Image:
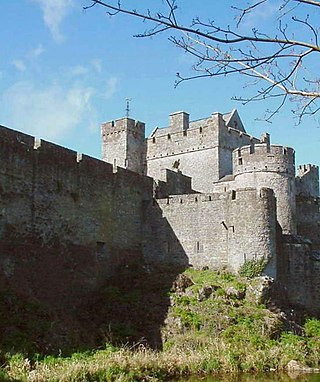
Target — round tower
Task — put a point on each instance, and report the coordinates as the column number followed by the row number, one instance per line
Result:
column 264, row 165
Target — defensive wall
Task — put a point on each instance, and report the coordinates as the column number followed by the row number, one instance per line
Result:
column 66, row 216
column 172, row 183
column 300, row 275
column 63, row 213
column 219, row 230
column 308, row 219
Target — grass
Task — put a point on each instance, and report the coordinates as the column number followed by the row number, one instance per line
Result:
column 226, row 332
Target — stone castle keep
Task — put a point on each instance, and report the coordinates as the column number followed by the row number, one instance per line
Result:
column 200, row 193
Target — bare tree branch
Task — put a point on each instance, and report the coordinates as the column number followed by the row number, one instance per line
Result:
column 279, row 60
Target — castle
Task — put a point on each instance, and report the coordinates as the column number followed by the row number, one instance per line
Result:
column 195, row 193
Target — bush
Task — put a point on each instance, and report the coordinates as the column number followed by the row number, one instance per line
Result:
column 312, row 327
column 252, row 268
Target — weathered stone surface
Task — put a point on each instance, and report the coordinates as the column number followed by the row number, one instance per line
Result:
column 181, row 283
column 216, row 197
column 235, row 293
column 260, row 289
column 204, row 293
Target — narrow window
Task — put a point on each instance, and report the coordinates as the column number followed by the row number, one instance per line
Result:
column 200, row 129
column 169, row 136
column 154, row 140
column 233, row 194
column 240, row 161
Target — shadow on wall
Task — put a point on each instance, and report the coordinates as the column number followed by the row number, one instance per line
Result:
column 132, row 305
column 58, row 299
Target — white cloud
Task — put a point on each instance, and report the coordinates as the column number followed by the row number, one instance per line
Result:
column 36, row 51
column 47, row 112
column 97, row 64
column 111, row 87
column 19, row 64
column 29, row 58
column 54, row 11
column 78, row 70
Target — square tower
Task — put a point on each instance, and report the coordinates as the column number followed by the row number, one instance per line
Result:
column 124, row 145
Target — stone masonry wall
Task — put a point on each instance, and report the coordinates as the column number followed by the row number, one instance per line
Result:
column 230, row 139
column 194, row 151
column 307, row 180
column 203, row 149
column 173, row 183
column 262, row 165
column 53, row 200
column 301, row 276
column 123, row 144
column 221, row 230
column 308, row 219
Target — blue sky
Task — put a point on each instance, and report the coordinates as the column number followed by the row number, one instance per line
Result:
column 64, row 71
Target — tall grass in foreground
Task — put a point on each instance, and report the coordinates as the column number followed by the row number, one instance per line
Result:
column 227, row 332
column 142, row 364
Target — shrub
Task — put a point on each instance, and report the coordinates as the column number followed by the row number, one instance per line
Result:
column 312, row 327
column 252, row 268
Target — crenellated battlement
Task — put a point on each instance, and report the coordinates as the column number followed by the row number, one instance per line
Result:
column 215, row 197
column 121, row 125
column 54, row 163
column 264, row 150
column 263, row 157
column 9, row 136
column 240, row 194
column 307, row 180
column 304, row 168
column 180, row 142
column 264, row 165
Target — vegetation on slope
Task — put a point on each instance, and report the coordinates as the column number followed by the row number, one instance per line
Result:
column 215, row 322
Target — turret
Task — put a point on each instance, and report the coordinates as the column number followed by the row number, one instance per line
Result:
column 307, row 180
column 124, row 145
column 265, row 165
